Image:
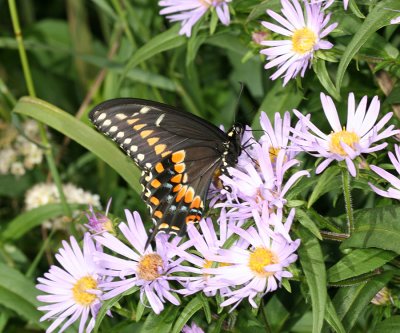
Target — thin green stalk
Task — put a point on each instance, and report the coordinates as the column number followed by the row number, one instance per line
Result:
column 6, row 257
column 35, row 262
column 32, row 93
column 347, row 200
column 265, row 318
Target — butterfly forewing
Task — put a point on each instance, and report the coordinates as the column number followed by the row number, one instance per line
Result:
column 177, row 152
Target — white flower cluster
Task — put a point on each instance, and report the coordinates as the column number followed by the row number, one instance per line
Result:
column 18, row 154
column 43, row 194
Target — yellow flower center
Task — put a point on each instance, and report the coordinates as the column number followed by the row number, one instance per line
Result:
column 79, row 293
column 260, row 258
column 349, row 138
column 148, row 268
column 209, row 263
column 273, row 153
column 303, row 40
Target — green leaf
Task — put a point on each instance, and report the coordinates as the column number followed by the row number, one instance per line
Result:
column 376, row 227
column 33, row 218
column 390, row 325
column 86, row 136
column 312, row 261
column 358, row 262
column 165, row 41
column 19, row 294
column 379, row 17
column 161, row 322
column 308, row 223
column 332, row 318
column 319, row 67
column 108, row 304
column 188, row 311
column 326, row 181
column 351, row 302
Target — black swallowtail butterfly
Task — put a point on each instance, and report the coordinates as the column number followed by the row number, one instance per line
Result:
column 179, row 155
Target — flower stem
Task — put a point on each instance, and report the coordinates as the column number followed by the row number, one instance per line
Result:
column 265, row 318
column 32, row 93
column 347, row 200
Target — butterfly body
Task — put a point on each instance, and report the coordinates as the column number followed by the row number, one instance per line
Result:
column 179, row 155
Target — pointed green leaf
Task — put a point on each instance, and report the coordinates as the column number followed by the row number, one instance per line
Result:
column 358, row 262
column 326, row 181
column 332, row 318
column 390, row 325
column 379, row 17
column 312, row 261
column 33, row 218
column 376, row 227
column 188, row 311
column 351, row 302
column 19, row 294
column 86, row 136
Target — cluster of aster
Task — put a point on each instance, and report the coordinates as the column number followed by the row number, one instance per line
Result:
column 298, row 32
column 17, row 152
column 246, row 253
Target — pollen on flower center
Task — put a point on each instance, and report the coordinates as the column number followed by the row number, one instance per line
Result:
column 273, row 153
column 349, row 138
column 260, row 258
column 149, row 267
column 303, row 40
column 80, row 295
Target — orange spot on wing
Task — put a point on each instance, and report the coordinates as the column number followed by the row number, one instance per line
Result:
column 155, row 183
column 158, row 214
column 163, row 225
column 159, row 167
column 196, row 203
column 166, row 153
column 145, row 134
column 180, row 167
column 159, row 148
column 181, row 193
column 139, row 127
column 189, row 195
column 132, row 121
column 154, row 201
column 178, row 156
column 177, row 178
column 177, row 188
column 152, row 141
column 192, row 218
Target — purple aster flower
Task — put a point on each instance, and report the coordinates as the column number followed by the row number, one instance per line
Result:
column 345, row 143
column 192, row 329
column 277, row 136
column 396, row 20
column 147, row 268
column 391, row 192
column 259, row 185
column 305, row 31
column 191, row 11
column 260, row 269
column 99, row 222
column 206, row 244
column 73, row 291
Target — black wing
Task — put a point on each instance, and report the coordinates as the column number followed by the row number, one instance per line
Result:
column 177, row 152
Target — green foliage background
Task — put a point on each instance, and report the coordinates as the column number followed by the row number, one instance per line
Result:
column 83, row 52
